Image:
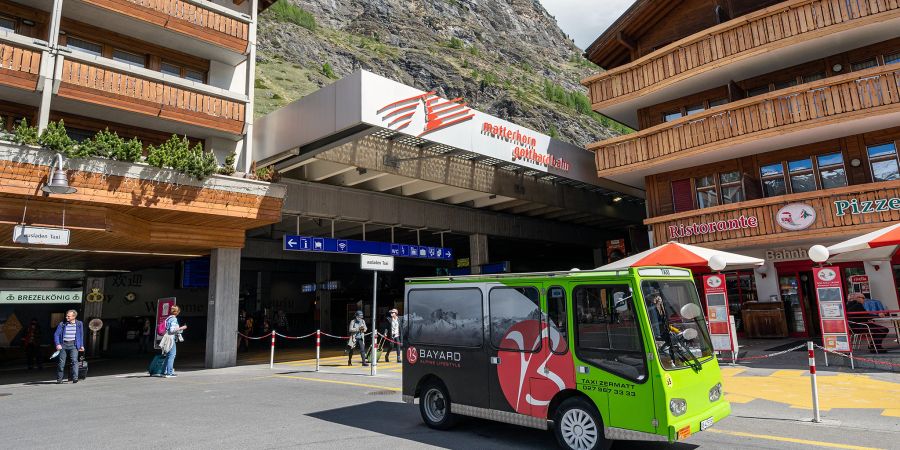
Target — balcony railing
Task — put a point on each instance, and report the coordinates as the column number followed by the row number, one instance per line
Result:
column 20, row 64
column 839, row 212
column 784, row 24
column 871, row 91
column 108, row 83
column 207, row 22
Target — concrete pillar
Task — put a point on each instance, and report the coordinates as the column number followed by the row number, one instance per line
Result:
column 478, row 251
column 323, row 297
column 48, row 66
column 598, row 257
column 881, row 283
column 222, row 314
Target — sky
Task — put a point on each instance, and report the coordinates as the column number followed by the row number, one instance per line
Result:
column 585, row 20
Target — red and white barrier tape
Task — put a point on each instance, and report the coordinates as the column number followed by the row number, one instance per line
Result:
column 389, row 339
column 769, row 355
column 857, row 358
column 295, row 337
column 251, row 337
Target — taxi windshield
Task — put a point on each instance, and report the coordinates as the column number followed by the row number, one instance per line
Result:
column 677, row 323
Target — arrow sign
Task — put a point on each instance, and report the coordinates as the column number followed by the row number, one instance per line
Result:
column 291, row 243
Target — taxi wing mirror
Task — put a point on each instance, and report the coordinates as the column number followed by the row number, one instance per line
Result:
column 691, row 311
column 689, row 334
column 620, row 302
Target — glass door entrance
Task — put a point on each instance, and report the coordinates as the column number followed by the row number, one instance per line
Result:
column 796, row 289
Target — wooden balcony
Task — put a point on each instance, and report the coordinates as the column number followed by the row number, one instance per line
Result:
column 764, row 121
column 230, row 30
column 835, row 217
column 786, row 24
column 103, row 82
column 20, row 65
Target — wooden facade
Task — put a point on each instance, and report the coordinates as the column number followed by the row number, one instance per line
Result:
column 661, row 198
column 854, row 95
column 140, row 214
column 783, row 24
column 768, row 232
column 188, row 18
column 19, row 66
column 106, row 86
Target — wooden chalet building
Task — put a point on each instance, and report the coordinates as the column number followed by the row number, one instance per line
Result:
column 783, row 113
column 144, row 69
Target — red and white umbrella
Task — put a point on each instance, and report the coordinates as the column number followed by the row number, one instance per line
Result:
column 682, row 255
column 878, row 245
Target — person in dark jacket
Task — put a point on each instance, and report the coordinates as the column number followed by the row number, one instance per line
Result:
column 861, row 323
column 69, row 340
column 32, row 343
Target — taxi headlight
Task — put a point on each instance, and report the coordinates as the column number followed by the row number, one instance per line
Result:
column 678, row 406
column 715, row 392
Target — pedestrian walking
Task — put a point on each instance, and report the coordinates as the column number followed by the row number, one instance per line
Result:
column 357, row 339
column 170, row 340
column 248, row 331
column 145, row 337
column 31, row 341
column 392, row 331
column 69, row 340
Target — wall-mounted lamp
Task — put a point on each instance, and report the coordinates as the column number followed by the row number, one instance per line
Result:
column 837, row 68
column 28, row 23
column 855, row 162
column 617, row 199
column 59, row 182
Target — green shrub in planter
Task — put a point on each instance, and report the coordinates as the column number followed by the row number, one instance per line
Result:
column 228, row 167
column 24, row 134
column 55, row 138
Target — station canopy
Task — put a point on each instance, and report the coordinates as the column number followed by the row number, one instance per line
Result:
column 372, row 133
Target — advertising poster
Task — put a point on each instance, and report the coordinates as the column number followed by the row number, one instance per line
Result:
column 717, row 312
column 163, row 306
column 831, row 309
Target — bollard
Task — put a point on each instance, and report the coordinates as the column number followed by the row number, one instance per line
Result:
column 318, row 347
column 374, row 355
column 812, row 380
column 272, row 352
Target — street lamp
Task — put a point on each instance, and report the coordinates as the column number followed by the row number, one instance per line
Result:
column 59, row 182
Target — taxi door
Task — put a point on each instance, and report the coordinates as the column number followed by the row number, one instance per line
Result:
column 611, row 360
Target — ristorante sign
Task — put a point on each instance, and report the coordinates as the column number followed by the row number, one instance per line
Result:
column 718, row 226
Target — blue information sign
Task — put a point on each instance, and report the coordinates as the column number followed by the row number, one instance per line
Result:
column 350, row 246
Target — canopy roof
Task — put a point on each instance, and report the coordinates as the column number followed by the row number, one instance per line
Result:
column 875, row 246
column 681, row 255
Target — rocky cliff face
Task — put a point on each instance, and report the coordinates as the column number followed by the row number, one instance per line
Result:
column 505, row 57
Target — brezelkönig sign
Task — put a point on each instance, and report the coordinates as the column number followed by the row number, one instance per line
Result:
column 39, row 297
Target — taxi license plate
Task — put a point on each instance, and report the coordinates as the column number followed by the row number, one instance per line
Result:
column 706, row 424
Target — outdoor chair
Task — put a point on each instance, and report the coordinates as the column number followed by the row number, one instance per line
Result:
column 857, row 336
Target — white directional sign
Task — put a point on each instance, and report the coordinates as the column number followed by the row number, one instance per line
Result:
column 24, row 234
column 376, row 262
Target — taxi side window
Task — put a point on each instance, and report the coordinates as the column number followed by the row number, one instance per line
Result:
column 607, row 331
column 557, row 319
column 515, row 309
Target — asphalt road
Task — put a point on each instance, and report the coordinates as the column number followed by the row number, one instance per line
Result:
column 292, row 406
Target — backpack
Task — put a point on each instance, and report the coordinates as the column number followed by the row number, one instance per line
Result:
column 161, row 328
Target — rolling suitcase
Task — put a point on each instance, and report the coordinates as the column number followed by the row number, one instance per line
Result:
column 82, row 366
column 157, row 366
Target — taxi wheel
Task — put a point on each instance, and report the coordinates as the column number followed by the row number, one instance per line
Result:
column 434, row 405
column 578, row 426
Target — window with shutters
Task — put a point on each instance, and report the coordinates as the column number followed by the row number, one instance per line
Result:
column 682, row 196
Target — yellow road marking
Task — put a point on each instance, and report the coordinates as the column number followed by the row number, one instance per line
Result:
column 788, row 439
column 349, row 383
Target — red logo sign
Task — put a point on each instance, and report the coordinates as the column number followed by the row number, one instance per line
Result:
column 530, row 380
column 412, row 355
column 439, row 112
